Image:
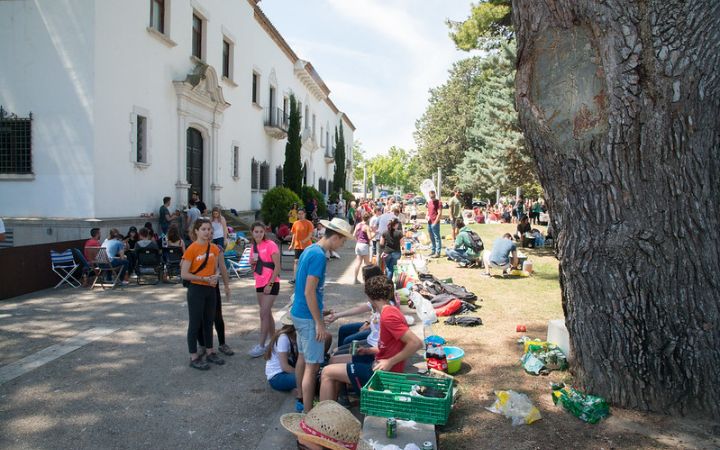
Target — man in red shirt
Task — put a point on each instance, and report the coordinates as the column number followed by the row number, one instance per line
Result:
column 434, row 215
column 397, row 343
column 94, row 241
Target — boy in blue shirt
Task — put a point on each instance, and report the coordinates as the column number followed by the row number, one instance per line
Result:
column 307, row 308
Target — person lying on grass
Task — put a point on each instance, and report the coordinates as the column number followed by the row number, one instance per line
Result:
column 397, row 343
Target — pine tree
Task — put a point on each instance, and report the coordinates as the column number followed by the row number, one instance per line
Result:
column 498, row 158
column 339, row 176
column 292, row 168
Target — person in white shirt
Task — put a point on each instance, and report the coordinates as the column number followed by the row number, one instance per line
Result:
column 374, row 224
column 280, row 357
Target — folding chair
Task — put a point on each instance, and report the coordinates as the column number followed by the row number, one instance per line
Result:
column 101, row 264
column 172, row 263
column 149, row 262
column 63, row 264
column 240, row 268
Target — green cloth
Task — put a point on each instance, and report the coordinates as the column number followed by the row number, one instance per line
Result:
column 536, row 207
column 455, row 207
column 463, row 241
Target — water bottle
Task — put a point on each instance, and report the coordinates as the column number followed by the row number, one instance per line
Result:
column 427, row 328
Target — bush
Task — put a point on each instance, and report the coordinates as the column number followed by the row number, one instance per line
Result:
column 348, row 197
column 276, row 204
column 307, row 193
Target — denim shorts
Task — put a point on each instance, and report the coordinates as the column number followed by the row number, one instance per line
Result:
column 312, row 349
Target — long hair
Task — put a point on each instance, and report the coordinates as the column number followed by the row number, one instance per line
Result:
column 173, row 234
column 288, row 330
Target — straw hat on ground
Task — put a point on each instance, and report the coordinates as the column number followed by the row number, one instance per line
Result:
column 339, row 225
column 327, row 424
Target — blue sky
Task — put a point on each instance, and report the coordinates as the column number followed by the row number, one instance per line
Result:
column 378, row 57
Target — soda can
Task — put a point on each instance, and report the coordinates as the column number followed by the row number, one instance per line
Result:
column 391, row 428
column 521, row 328
column 354, row 347
column 427, row 445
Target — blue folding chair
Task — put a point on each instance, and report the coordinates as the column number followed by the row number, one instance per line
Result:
column 63, row 264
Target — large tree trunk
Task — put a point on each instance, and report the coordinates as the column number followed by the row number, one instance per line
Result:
column 620, row 105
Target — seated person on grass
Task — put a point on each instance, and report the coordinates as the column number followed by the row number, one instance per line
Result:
column 397, row 343
column 500, row 255
column 523, row 233
column 466, row 251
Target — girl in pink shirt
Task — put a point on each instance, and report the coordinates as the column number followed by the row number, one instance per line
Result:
column 265, row 260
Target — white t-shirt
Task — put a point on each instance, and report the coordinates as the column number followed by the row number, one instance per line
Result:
column 272, row 365
column 374, row 337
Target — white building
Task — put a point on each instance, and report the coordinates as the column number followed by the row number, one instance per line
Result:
column 134, row 100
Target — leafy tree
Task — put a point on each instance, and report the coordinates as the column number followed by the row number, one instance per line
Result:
column 339, row 176
column 489, row 24
column 358, row 161
column 619, row 102
column 394, row 169
column 276, row 204
column 442, row 132
column 292, row 168
column 498, row 157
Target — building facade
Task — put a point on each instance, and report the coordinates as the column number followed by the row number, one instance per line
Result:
column 135, row 100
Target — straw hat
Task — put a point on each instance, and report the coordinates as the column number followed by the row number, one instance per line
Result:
column 327, row 424
column 338, row 225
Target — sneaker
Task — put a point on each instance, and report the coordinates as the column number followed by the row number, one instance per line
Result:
column 299, row 406
column 214, row 358
column 486, row 275
column 226, row 350
column 199, row 364
column 257, row 351
column 435, row 255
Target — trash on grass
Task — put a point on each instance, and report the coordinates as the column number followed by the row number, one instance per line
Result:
column 586, row 407
column 515, row 406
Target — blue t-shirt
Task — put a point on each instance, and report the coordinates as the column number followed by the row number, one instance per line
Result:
column 312, row 262
column 113, row 247
column 501, row 251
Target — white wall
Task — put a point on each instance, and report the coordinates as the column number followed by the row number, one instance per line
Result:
column 83, row 104
column 47, row 51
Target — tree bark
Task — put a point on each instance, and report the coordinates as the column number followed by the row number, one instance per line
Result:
column 620, row 105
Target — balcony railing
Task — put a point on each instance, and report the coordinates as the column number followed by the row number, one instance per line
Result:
column 277, row 118
column 276, row 122
column 329, row 154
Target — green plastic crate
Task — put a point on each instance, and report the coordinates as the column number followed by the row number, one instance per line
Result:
column 400, row 404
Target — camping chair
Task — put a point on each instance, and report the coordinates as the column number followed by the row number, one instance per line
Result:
column 172, row 263
column 101, row 264
column 240, row 268
column 63, row 264
column 149, row 262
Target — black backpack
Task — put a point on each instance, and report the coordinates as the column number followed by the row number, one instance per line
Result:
column 477, row 244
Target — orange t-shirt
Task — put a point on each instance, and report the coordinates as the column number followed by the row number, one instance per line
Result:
column 195, row 254
column 301, row 230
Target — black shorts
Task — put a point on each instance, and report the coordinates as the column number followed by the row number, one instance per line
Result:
column 274, row 291
column 298, row 252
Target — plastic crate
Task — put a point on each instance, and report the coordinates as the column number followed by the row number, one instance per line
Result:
column 400, row 404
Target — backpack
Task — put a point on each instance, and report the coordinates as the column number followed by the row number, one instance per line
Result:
column 476, row 242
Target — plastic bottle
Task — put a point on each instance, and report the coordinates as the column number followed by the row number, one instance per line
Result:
column 427, row 328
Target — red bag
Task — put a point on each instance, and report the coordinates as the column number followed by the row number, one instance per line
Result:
column 449, row 308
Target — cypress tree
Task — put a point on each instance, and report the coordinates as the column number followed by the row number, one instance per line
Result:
column 292, row 168
column 339, row 176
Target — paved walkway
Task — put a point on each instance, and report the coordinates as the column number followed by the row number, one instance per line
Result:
column 91, row 369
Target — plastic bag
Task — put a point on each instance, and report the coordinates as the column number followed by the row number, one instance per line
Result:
column 588, row 408
column 424, row 308
column 515, row 406
column 533, row 364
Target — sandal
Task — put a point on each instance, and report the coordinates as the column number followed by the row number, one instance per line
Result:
column 226, row 350
column 199, row 364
